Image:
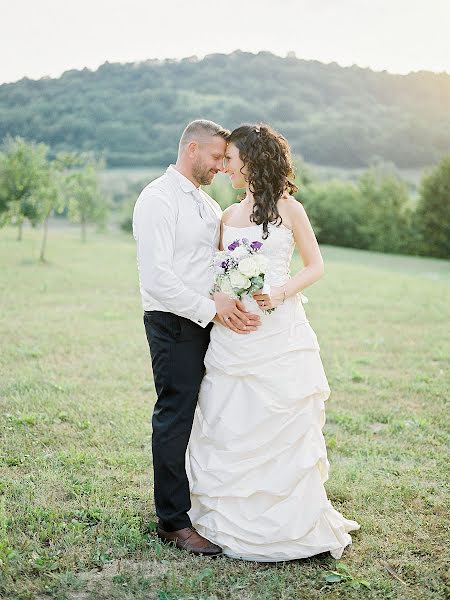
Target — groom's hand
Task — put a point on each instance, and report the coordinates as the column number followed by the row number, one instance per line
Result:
column 233, row 314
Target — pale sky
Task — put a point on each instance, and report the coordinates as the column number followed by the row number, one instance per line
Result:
column 47, row 37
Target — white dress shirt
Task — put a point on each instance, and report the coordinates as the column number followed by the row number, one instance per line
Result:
column 176, row 226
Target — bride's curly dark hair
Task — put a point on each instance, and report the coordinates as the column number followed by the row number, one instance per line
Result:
column 267, row 157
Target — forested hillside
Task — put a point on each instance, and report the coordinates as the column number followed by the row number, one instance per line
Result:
column 134, row 113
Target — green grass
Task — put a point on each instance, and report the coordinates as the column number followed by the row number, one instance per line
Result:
column 76, row 395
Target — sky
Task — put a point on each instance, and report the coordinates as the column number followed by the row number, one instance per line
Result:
column 47, row 37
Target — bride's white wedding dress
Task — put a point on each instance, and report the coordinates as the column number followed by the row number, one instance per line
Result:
column 257, row 459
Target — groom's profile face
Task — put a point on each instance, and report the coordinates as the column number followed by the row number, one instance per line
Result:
column 208, row 158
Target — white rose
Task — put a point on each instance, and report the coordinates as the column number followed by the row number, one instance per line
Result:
column 249, row 266
column 226, row 287
column 238, row 280
column 262, row 263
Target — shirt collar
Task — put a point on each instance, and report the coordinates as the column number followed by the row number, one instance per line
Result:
column 185, row 183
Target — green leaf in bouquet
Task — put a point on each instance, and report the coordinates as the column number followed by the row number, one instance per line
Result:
column 257, row 281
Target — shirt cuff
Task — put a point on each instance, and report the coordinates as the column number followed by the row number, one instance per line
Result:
column 205, row 313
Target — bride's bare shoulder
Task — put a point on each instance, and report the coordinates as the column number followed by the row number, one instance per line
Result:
column 289, row 209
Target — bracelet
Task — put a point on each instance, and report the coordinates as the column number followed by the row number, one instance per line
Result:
column 284, row 295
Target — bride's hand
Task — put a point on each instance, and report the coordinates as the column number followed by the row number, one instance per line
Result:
column 272, row 300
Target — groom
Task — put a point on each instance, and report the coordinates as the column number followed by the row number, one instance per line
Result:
column 177, row 228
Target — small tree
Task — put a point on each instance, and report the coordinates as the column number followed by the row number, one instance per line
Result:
column 336, row 212
column 51, row 194
column 432, row 217
column 23, row 172
column 384, row 198
column 127, row 205
column 85, row 203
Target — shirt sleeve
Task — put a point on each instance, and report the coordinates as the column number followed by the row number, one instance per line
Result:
column 154, row 226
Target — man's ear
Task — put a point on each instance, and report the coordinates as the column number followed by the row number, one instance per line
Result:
column 192, row 148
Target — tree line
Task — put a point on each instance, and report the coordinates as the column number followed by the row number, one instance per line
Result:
column 376, row 212
column 134, row 113
column 33, row 187
column 373, row 213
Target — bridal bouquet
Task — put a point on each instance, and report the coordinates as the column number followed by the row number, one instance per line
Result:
column 240, row 269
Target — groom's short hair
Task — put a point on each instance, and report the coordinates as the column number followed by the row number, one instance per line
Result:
column 201, row 128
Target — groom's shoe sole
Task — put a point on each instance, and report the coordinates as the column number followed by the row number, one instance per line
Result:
column 190, row 540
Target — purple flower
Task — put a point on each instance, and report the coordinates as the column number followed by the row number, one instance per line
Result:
column 224, row 264
column 234, row 245
column 255, row 245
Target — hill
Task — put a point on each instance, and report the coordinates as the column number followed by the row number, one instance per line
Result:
column 332, row 115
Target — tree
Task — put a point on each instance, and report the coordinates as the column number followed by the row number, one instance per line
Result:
column 85, row 203
column 51, row 194
column 127, row 204
column 23, row 172
column 384, row 198
column 336, row 212
column 432, row 216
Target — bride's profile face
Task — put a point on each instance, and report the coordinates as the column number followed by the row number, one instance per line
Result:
column 234, row 167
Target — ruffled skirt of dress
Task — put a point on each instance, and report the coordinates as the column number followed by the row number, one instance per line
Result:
column 257, row 460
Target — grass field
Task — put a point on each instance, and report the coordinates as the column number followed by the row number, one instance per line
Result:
column 76, row 395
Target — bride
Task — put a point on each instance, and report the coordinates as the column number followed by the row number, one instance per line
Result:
column 257, row 460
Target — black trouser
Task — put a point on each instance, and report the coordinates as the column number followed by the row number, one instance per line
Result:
column 177, row 348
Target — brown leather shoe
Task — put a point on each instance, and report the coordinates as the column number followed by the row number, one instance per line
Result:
column 189, row 539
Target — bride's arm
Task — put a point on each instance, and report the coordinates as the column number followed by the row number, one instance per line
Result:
column 308, row 248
